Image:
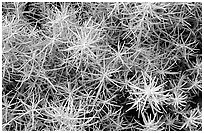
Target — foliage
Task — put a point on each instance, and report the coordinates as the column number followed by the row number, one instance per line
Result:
column 90, row 66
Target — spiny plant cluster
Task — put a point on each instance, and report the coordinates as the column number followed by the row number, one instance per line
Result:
column 114, row 66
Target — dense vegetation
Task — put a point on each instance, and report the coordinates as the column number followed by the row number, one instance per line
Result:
column 101, row 66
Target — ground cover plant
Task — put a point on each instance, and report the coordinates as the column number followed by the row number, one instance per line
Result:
column 101, row 66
